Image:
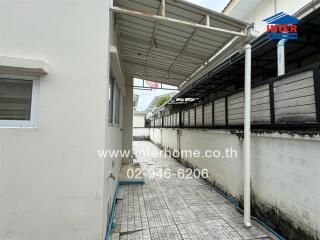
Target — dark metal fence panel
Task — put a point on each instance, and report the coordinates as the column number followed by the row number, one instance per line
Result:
column 191, row 117
column 294, row 99
column 271, row 100
column 186, row 118
column 236, row 108
column 226, row 110
column 207, row 114
column 173, row 122
column 212, row 110
column 157, row 122
column 181, row 118
column 260, row 105
column 219, row 112
column 199, row 115
column 316, row 76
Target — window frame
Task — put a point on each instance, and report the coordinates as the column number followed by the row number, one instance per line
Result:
column 116, row 107
column 32, row 122
column 111, row 100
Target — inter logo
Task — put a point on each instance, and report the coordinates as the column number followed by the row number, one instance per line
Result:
column 282, row 26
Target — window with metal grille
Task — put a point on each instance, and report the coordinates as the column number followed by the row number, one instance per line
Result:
column 18, row 102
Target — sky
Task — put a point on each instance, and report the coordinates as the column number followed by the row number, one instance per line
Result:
column 216, row 5
column 146, row 96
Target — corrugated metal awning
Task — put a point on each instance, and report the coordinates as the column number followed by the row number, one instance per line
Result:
column 167, row 41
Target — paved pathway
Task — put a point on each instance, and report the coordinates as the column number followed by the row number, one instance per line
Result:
column 176, row 208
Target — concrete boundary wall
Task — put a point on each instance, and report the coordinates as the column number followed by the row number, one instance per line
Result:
column 285, row 173
column 140, row 133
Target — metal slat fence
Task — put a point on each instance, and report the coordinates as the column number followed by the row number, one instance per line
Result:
column 291, row 100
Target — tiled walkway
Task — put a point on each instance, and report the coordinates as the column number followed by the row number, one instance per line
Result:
column 176, row 208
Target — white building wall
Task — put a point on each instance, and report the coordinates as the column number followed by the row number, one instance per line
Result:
column 285, row 170
column 53, row 185
column 138, row 120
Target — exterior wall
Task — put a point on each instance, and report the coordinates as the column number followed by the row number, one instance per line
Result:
column 286, row 176
column 169, row 138
column 285, row 173
column 138, row 120
column 155, row 135
column 225, row 172
column 53, row 185
column 113, row 139
column 143, row 133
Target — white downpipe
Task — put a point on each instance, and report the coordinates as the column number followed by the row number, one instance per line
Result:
column 281, row 57
column 247, row 133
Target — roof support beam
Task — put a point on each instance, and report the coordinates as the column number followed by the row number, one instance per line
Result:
column 185, row 47
column 155, row 69
column 173, row 20
column 216, row 55
column 141, row 42
column 149, row 78
column 250, row 34
column 151, row 46
column 162, row 10
column 159, row 59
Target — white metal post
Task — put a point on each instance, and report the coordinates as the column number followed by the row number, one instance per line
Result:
column 281, row 57
column 208, row 20
column 247, row 133
column 163, row 8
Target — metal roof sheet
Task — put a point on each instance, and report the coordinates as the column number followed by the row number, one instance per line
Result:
column 170, row 48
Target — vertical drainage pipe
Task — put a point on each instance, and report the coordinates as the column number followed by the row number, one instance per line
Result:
column 247, row 132
column 281, row 57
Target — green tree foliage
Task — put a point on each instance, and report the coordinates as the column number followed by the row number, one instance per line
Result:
column 162, row 100
column 147, row 121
